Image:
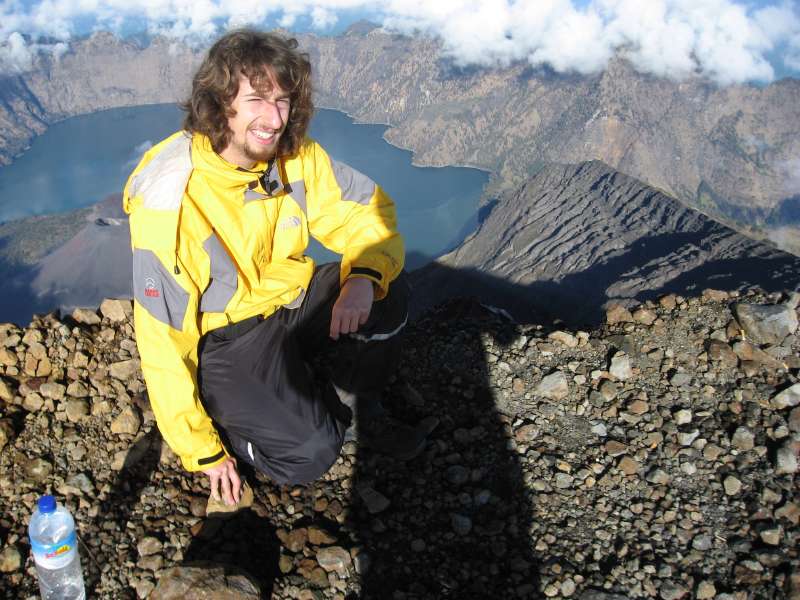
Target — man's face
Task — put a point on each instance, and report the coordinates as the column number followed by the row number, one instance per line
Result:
column 260, row 119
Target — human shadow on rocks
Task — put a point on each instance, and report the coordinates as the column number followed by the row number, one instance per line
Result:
column 455, row 520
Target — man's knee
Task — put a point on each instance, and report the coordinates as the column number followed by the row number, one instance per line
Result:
column 390, row 314
column 306, row 461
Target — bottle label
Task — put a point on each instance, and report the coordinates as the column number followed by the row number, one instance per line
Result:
column 54, row 556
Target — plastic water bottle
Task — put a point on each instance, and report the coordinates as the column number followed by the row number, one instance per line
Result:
column 55, row 551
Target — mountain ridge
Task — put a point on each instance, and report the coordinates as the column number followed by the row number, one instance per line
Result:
column 732, row 152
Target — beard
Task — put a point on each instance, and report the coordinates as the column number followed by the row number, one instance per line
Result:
column 260, row 153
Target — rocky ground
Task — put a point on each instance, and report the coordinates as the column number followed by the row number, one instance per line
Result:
column 655, row 457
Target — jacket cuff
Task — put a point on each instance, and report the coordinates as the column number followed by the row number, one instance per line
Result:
column 204, row 460
column 374, row 276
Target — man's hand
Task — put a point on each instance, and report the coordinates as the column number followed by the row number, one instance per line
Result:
column 225, row 476
column 352, row 306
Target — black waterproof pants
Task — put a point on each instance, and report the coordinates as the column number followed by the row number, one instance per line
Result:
column 257, row 384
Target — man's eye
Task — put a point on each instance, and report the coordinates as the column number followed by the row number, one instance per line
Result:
column 283, row 102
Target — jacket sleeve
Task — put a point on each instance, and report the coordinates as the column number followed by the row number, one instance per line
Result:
column 167, row 335
column 349, row 214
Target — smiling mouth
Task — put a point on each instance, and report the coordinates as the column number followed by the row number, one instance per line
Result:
column 264, row 137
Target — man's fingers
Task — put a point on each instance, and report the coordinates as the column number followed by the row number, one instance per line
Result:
column 362, row 318
column 226, row 489
column 237, row 484
column 335, row 324
column 214, row 486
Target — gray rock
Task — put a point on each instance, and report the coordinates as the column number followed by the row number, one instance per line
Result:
column 766, row 324
column 86, row 316
column 10, row 559
column 609, row 390
column 621, row 366
column 706, row 590
column 787, row 398
column 334, row 558
column 373, row 500
column 54, row 391
column 659, row 477
column 128, row 422
column 76, row 409
column 211, row 581
column 148, row 546
column 38, row 469
column 461, row 524
column 680, row 379
column 682, row 416
column 124, row 370
column 794, row 420
column 564, row 481
column 743, row 438
column 702, row 542
column 672, row 591
column 685, row 438
column 116, row 311
column 732, row 485
column 457, row 475
column 553, row 386
column 786, row 459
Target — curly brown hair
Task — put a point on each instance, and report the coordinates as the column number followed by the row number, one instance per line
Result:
column 260, row 57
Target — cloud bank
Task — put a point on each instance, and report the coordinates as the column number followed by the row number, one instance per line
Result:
column 727, row 41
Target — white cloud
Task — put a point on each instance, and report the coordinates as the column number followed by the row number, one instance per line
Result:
column 725, row 40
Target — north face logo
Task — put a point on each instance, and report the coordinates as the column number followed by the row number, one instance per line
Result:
column 289, row 222
column 150, row 288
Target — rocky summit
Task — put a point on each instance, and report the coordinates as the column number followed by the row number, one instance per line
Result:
column 653, row 456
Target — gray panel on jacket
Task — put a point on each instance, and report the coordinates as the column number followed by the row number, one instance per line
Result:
column 163, row 180
column 355, row 186
column 156, row 290
column 224, row 280
column 297, row 190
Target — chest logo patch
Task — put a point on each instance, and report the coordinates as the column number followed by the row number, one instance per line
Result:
column 289, row 222
column 150, row 289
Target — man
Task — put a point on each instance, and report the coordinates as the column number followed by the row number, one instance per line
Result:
column 228, row 310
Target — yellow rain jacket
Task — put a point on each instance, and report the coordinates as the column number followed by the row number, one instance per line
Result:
column 214, row 244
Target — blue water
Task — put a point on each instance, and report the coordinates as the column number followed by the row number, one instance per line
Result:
column 84, row 159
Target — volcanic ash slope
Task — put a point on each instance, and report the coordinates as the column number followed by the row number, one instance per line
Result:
column 576, row 236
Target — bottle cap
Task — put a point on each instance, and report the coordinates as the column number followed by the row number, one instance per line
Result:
column 46, row 504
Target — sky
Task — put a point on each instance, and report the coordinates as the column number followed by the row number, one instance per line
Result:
column 725, row 41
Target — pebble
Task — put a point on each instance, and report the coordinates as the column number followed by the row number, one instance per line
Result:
column 682, row 416
column 334, row 558
column 706, row 590
column 461, row 524
column 617, row 313
column 10, row 560
column 629, row 466
column 786, row 459
column 553, row 386
column 128, row 422
column 672, row 591
column 743, row 439
column 374, row 500
column 620, row 367
column 787, row 398
column 148, row 546
column 659, row 477
column 732, row 485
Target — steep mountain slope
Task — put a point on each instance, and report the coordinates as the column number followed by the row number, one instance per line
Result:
column 576, row 236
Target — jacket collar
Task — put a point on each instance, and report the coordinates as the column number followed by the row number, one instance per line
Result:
column 264, row 179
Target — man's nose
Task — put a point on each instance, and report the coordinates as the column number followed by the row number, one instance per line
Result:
column 272, row 115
